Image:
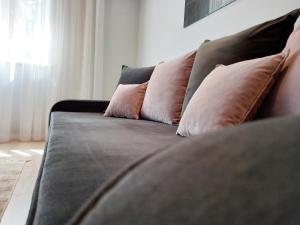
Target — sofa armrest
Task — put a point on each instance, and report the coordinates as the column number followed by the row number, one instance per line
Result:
column 91, row 106
column 80, row 106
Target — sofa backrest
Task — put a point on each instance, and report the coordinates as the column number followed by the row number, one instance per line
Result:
column 259, row 41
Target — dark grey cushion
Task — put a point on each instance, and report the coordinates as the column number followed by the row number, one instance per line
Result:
column 132, row 75
column 247, row 175
column 262, row 40
column 84, row 150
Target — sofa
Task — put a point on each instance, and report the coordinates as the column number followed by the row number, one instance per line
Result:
column 107, row 170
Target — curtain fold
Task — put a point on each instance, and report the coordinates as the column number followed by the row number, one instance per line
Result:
column 50, row 50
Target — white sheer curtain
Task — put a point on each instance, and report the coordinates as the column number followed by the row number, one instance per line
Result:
column 49, row 50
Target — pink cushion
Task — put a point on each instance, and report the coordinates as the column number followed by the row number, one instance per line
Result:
column 285, row 97
column 230, row 95
column 166, row 90
column 127, row 101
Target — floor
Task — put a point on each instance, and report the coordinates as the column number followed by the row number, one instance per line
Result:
column 18, row 207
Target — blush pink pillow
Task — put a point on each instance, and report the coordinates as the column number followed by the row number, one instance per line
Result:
column 230, row 95
column 127, row 101
column 166, row 90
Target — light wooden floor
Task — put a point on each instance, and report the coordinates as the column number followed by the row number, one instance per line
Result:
column 18, row 207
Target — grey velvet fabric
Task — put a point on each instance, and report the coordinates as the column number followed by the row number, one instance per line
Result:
column 247, row 175
column 84, row 150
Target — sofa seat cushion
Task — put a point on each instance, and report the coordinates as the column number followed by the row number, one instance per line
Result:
column 245, row 175
column 84, row 150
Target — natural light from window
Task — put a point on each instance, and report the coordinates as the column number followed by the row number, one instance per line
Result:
column 24, row 34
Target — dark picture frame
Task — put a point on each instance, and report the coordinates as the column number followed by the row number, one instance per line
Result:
column 198, row 9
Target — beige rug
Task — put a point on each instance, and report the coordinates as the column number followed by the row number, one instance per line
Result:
column 10, row 170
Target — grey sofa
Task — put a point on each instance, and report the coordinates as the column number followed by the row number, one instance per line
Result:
column 100, row 170
column 112, row 171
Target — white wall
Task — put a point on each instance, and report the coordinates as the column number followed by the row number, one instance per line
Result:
column 120, row 40
column 161, row 32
